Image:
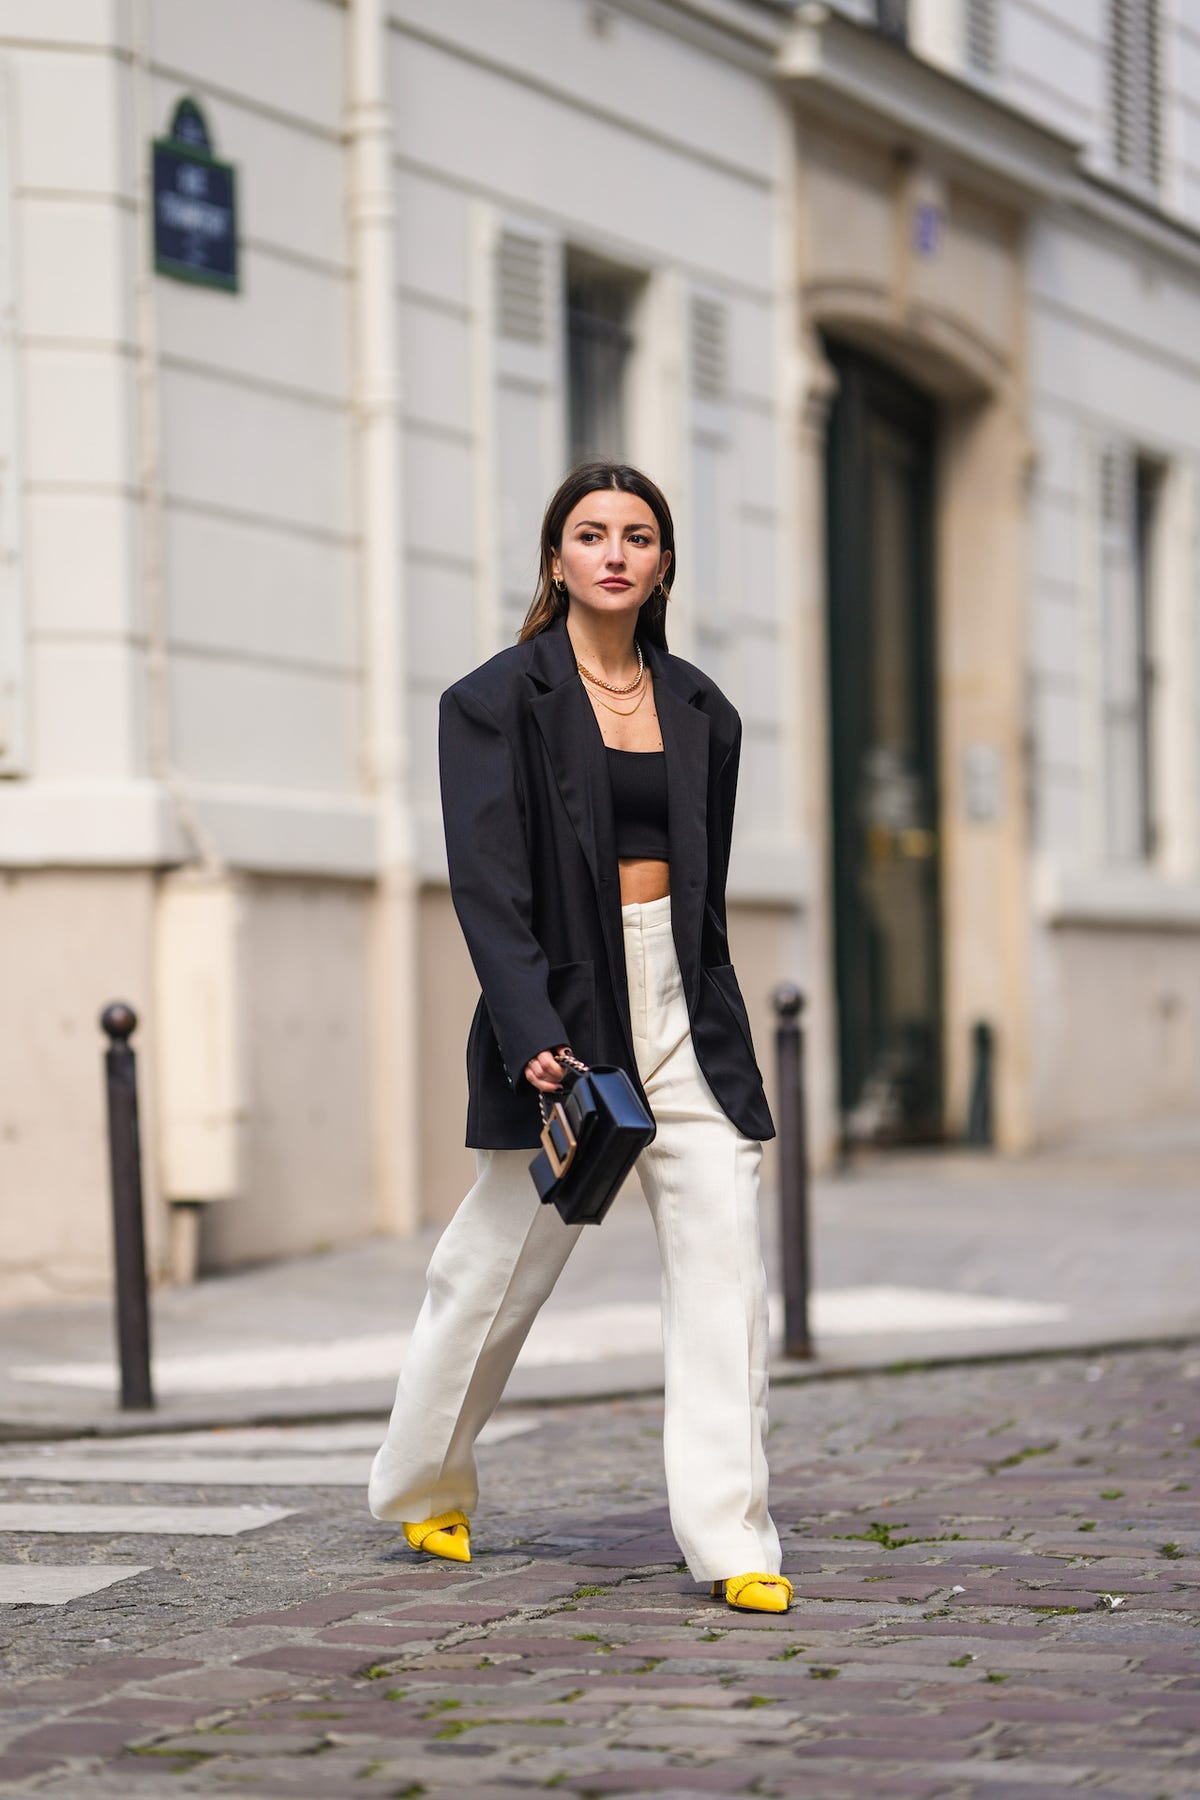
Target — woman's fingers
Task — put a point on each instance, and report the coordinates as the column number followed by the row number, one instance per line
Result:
column 544, row 1072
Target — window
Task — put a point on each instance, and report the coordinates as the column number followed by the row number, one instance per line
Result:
column 891, row 16
column 1131, row 489
column 1135, row 89
column 601, row 302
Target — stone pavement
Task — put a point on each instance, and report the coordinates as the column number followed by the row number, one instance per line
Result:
column 916, row 1257
column 998, row 1594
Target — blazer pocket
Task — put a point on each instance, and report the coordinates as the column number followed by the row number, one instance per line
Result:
column 572, row 988
column 723, row 978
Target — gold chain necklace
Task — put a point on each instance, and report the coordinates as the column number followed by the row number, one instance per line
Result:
column 609, row 686
column 622, row 712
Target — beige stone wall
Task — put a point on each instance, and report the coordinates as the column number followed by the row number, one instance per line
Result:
column 1118, row 1028
column 70, row 942
column 308, row 1180
column 447, row 993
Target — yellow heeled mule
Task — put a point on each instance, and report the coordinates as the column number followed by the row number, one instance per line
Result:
column 755, row 1593
column 448, row 1535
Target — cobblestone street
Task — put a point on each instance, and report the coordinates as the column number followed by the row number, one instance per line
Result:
column 996, row 1594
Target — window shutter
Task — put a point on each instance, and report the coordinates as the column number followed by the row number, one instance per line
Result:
column 528, row 437
column 521, row 301
column 712, row 551
column 710, row 351
column 1135, row 89
column 979, row 36
column 1121, row 765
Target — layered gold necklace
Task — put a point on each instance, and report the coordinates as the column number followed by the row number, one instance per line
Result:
column 609, row 686
column 639, row 686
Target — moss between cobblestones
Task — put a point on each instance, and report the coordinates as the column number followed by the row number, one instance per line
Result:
column 1020, row 1456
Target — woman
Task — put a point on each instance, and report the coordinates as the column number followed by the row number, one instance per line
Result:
column 588, row 782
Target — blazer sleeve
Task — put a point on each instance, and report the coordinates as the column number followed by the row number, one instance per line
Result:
column 490, row 882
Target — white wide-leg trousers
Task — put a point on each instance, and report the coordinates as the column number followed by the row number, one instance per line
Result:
column 502, row 1252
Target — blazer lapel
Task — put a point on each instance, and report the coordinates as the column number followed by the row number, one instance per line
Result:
column 563, row 715
column 685, row 742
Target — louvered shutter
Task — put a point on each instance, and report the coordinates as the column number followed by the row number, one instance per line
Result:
column 1135, row 89
column 528, row 448
column 712, row 496
column 1122, row 771
column 979, row 36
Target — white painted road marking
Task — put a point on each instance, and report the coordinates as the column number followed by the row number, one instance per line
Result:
column 156, row 1521
column 31, row 1584
column 196, row 1471
column 200, row 1461
column 586, row 1334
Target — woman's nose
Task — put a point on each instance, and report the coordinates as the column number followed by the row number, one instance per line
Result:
column 616, row 554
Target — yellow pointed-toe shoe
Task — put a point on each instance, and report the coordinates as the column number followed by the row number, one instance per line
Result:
column 448, row 1535
column 755, row 1593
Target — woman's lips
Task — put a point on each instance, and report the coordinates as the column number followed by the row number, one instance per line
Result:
column 616, row 584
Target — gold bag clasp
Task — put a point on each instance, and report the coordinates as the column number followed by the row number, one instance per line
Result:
column 559, row 1141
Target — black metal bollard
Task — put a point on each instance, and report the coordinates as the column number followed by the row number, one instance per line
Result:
column 129, row 1238
column 979, row 1105
column 793, row 1169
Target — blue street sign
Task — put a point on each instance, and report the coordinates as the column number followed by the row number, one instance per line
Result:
column 195, row 205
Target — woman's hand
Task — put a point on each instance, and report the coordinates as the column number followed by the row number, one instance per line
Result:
column 544, row 1072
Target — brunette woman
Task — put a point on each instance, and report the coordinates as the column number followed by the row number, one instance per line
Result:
column 588, row 783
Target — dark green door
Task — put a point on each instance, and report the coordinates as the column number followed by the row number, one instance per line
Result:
column 883, row 712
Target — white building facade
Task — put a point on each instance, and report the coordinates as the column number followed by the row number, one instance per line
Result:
column 896, row 303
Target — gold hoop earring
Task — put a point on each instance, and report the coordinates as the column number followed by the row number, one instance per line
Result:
column 560, row 589
column 660, row 592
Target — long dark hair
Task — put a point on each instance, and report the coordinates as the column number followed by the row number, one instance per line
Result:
column 547, row 605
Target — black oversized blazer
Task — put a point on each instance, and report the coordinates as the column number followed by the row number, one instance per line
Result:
column 531, row 846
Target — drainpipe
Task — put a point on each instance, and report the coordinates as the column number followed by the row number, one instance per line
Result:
column 377, row 418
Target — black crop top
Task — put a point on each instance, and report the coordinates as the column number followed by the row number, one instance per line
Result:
column 639, row 792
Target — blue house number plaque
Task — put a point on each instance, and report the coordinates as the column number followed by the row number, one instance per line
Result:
column 195, row 205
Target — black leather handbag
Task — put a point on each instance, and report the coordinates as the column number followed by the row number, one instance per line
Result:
column 591, row 1138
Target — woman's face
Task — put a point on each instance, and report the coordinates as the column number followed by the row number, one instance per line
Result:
column 611, row 556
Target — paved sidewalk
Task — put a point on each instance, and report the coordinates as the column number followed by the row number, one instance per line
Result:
column 916, row 1257
column 998, row 1594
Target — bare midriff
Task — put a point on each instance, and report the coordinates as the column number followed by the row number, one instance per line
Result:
column 643, row 878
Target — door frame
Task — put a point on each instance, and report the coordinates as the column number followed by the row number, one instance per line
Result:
column 868, row 387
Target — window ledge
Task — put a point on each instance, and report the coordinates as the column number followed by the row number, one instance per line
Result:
column 1120, row 899
column 851, row 71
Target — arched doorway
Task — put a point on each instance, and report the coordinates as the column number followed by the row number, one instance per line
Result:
column 881, row 449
